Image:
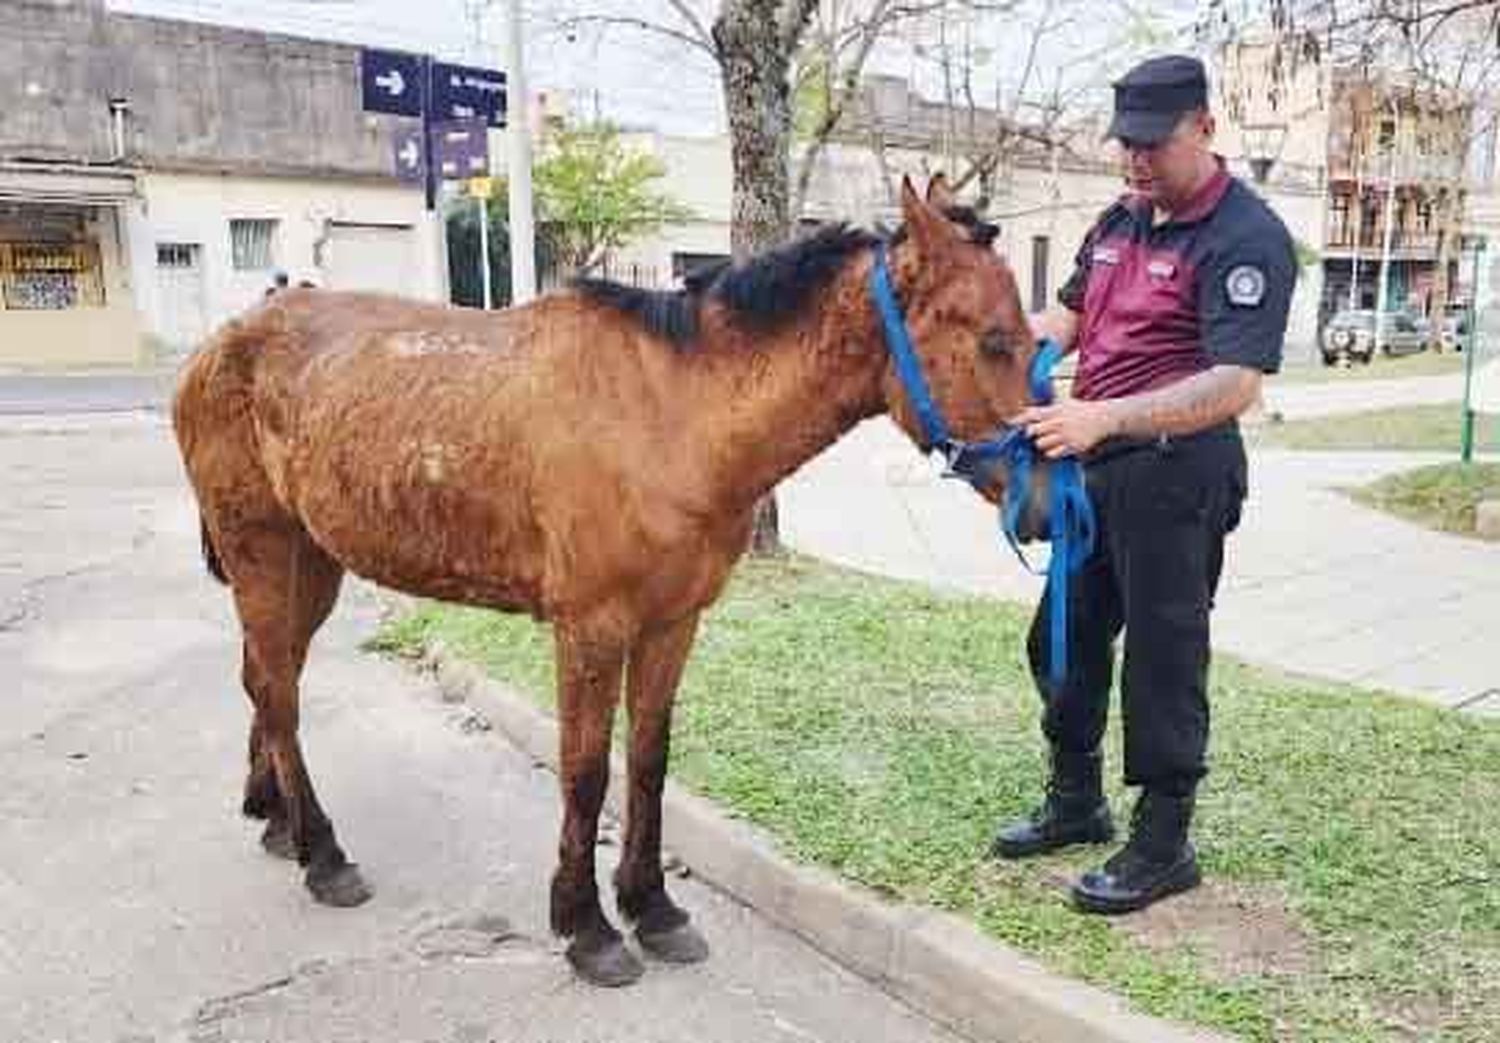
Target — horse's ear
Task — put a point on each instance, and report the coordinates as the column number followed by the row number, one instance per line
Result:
column 929, row 229
column 940, row 194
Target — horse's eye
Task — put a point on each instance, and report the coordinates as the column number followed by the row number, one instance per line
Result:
column 995, row 343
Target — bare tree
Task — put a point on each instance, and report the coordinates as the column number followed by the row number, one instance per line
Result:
column 1018, row 83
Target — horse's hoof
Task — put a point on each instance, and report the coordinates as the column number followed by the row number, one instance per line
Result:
column 343, row 887
column 680, row 944
column 606, row 963
column 277, row 839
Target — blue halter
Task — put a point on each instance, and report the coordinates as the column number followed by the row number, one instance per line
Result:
column 1070, row 524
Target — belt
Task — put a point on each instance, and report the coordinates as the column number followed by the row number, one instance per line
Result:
column 1122, row 445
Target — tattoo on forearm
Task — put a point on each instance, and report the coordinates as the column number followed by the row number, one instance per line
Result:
column 1194, row 404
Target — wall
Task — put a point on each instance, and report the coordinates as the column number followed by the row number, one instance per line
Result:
column 194, row 208
column 201, row 97
column 86, row 335
column 1252, row 92
column 698, row 176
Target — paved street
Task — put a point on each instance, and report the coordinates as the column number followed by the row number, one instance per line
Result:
column 126, row 390
column 1314, row 582
column 135, row 903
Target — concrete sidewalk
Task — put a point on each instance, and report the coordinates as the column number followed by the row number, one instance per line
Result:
column 1314, row 583
column 1300, row 401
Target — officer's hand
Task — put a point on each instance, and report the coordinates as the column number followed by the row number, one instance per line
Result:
column 1069, row 427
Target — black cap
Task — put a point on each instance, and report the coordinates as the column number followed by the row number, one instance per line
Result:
column 1151, row 98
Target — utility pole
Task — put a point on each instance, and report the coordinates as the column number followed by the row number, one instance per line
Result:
column 1359, row 218
column 518, row 153
column 477, row 55
column 1382, row 292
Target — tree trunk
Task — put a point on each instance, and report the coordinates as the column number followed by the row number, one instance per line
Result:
column 1450, row 226
column 754, row 64
column 757, row 100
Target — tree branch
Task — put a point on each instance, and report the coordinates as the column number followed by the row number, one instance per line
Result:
column 792, row 22
column 849, row 87
column 688, row 15
column 705, row 44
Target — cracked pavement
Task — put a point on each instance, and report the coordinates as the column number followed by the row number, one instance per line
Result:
column 135, row 903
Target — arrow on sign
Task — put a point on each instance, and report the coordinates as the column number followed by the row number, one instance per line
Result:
column 393, row 82
column 411, row 164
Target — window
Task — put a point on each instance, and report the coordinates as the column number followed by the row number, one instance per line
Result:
column 1342, row 233
column 251, row 244
column 1369, row 221
column 1387, row 133
column 50, row 276
column 177, row 255
column 1040, row 248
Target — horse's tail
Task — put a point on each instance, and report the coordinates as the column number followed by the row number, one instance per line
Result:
column 210, row 555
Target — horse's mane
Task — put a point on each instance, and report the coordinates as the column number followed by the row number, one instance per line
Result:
column 766, row 290
column 762, row 293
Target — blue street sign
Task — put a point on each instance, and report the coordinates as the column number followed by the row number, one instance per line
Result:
column 391, row 82
column 461, row 149
column 411, row 157
column 461, row 92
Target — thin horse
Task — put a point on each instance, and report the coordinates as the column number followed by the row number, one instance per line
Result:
column 592, row 459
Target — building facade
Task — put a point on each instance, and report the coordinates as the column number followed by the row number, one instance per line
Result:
column 1399, row 175
column 155, row 175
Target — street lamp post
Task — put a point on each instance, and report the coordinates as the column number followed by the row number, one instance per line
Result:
column 1263, row 145
column 1475, row 244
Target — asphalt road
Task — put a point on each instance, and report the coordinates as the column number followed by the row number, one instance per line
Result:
column 135, row 903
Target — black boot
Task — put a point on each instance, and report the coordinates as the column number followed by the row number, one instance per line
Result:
column 1075, row 811
column 1157, row 862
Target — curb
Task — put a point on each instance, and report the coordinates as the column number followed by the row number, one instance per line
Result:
column 937, row 963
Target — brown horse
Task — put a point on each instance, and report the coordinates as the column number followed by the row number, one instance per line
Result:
column 592, row 459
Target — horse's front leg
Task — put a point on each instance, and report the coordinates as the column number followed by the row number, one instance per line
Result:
column 656, row 662
column 589, row 665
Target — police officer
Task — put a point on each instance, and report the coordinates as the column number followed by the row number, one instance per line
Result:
column 1176, row 307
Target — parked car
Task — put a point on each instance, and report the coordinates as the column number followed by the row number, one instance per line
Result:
column 1453, row 333
column 1351, row 335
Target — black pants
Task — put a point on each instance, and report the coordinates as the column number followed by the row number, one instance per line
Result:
column 1163, row 510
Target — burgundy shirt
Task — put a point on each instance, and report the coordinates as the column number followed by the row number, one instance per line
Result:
column 1159, row 303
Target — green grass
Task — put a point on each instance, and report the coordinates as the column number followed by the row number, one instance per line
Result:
column 1436, row 428
column 882, row 729
column 1442, row 496
column 1425, row 364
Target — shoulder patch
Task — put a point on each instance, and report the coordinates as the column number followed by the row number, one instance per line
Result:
column 1245, row 285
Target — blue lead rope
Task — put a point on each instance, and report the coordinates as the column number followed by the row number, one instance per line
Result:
column 1070, row 523
column 1070, row 526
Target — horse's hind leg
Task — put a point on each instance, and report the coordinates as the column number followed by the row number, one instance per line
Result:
column 284, row 588
column 262, row 794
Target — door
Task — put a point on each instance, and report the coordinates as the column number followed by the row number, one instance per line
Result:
column 182, row 321
column 381, row 258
